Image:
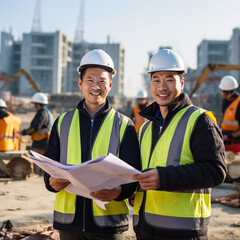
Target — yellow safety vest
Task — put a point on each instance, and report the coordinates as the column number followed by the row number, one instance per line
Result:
column 112, row 131
column 180, row 210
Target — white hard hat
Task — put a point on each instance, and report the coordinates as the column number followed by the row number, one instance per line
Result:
column 228, row 83
column 40, row 98
column 97, row 58
column 3, row 104
column 166, row 60
column 142, row 94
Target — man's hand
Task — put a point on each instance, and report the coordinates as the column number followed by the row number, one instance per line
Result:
column 57, row 183
column 225, row 138
column 148, row 180
column 107, row 195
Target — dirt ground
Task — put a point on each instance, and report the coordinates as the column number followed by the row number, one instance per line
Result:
column 28, row 205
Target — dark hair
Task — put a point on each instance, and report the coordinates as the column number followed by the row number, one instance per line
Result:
column 83, row 73
column 229, row 91
column 40, row 104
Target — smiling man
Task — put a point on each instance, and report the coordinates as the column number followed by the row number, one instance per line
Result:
column 89, row 131
column 182, row 155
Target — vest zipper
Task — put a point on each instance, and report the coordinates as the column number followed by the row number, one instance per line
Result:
column 89, row 157
column 90, row 145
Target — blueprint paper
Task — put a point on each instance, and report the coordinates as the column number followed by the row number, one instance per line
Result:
column 105, row 172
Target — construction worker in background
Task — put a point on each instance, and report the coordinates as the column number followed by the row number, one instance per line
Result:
column 89, row 131
column 9, row 129
column 182, row 154
column 41, row 124
column 142, row 102
column 231, row 114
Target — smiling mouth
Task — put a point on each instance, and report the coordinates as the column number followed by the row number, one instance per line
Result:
column 95, row 94
column 162, row 95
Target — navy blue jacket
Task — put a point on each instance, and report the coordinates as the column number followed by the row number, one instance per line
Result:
column 129, row 152
column 208, row 169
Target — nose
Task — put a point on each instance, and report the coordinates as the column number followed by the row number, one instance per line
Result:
column 96, row 85
column 162, row 85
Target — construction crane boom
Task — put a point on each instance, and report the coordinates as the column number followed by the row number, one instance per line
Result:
column 13, row 78
column 79, row 33
column 211, row 67
column 36, row 25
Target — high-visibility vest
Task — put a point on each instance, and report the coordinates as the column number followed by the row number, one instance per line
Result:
column 138, row 119
column 179, row 210
column 38, row 135
column 9, row 133
column 107, row 141
column 230, row 123
column 16, row 132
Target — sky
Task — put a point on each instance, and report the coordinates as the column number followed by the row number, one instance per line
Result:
column 141, row 26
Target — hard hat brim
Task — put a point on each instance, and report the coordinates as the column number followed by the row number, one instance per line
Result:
column 109, row 69
column 226, row 89
column 39, row 102
column 167, row 70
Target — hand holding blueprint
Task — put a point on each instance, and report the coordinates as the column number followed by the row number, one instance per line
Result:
column 105, row 172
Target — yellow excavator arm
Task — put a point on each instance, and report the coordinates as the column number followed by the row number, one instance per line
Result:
column 210, row 68
column 30, row 80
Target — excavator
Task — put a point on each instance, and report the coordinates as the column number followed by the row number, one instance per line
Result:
column 13, row 78
column 211, row 67
column 233, row 168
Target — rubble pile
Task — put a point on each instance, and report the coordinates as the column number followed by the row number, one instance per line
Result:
column 7, row 232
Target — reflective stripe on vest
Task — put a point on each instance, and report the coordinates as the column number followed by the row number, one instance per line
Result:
column 112, row 131
column 182, row 210
column 9, row 132
column 230, row 123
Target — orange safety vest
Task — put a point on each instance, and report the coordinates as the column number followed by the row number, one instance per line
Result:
column 37, row 136
column 137, row 119
column 9, row 133
column 230, row 123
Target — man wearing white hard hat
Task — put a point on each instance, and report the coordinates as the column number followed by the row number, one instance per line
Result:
column 182, row 155
column 231, row 114
column 41, row 124
column 89, row 131
column 142, row 102
column 9, row 129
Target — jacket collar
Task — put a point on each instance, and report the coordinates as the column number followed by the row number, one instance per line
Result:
column 3, row 113
column 150, row 111
column 102, row 111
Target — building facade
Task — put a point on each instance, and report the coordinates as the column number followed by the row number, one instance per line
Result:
column 52, row 60
column 46, row 56
column 212, row 51
column 234, row 51
column 115, row 50
column 10, row 58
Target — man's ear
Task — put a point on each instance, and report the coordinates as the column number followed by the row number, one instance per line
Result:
column 182, row 83
column 110, row 83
